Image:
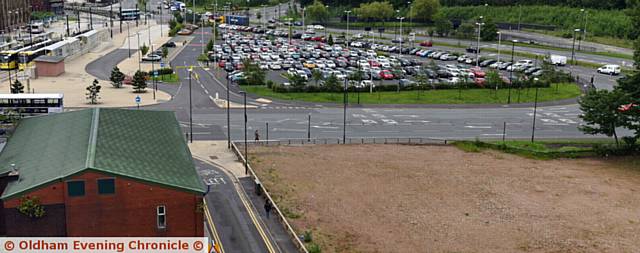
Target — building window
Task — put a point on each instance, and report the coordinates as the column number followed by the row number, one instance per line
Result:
column 75, row 188
column 106, row 186
column 162, row 217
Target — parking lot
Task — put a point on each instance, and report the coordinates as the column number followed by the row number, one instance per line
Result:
column 300, row 54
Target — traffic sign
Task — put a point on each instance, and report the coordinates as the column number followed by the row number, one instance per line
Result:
column 162, row 64
column 138, row 99
column 155, row 73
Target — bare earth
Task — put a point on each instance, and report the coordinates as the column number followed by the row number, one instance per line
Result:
column 399, row 198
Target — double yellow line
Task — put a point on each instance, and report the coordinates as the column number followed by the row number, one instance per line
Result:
column 218, row 243
column 256, row 222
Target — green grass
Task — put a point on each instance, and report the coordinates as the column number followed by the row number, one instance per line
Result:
column 607, row 54
column 607, row 40
column 543, row 149
column 169, row 78
column 450, row 96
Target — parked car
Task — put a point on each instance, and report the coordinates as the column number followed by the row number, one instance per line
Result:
column 152, row 57
column 426, row 43
column 473, row 50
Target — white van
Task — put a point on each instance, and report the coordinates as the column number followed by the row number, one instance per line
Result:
column 557, row 60
column 609, row 69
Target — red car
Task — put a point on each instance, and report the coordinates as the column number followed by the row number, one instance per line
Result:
column 426, row 43
column 479, row 81
column 221, row 64
column 374, row 64
column 386, row 75
column 478, row 73
column 317, row 38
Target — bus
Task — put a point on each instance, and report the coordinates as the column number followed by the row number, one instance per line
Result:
column 25, row 58
column 29, row 103
column 130, row 14
column 37, row 27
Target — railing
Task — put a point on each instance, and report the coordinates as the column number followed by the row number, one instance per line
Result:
column 350, row 140
column 283, row 220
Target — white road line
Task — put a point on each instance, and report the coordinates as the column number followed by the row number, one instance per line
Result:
column 482, row 127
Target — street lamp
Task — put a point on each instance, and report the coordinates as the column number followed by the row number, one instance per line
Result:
column 246, row 154
column 129, row 39
column 400, row 50
column 573, row 47
column 228, row 116
column 190, row 108
column 344, row 120
column 499, row 41
column 303, row 9
column 348, row 12
column 535, row 110
column 140, row 52
column 584, row 30
column 410, row 12
column 513, row 47
column 479, row 24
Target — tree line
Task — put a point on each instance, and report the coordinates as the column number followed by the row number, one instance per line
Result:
column 593, row 4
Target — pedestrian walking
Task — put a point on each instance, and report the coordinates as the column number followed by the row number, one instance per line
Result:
column 257, row 136
column 592, row 79
column 267, row 208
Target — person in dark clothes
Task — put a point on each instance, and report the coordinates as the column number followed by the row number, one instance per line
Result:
column 257, row 135
column 267, row 208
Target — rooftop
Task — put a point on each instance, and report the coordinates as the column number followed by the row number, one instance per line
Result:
column 137, row 144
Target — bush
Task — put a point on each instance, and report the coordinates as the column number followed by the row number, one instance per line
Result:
column 165, row 71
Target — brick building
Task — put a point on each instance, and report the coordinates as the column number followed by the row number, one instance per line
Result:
column 14, row 13
column 101, row 172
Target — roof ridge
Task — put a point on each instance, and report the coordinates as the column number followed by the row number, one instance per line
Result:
column 93, row 139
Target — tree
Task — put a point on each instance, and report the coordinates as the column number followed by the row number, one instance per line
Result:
column 493, row 79
column 330, row 40
column 92, row 92
column 253, row 74
column 116, row 77
column 332, row 83
column 443, row 26
column 316, row 75
column 424, row 9
column 259, row 15
column 178, row 17
column 296, row 81
column 489, row 31
column 375, row 10
column 600, row 113
column 17, row 87
column 165, row 52
column 139, row 81
column 317, row 11
column 466, row 31
column 210, row 45
column 144, row 49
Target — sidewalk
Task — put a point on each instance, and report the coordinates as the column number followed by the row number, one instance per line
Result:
column 74, row 81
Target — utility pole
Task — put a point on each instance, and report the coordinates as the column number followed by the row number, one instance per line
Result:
column 573, row 46
column 344, row 120
column 535, row 109
column 348, row 37
column 228, row 116
column 513, row 47
column 401, row 37
column 190, row 108
column 309, row 127
column 140, row 52
column 111, row 21
column 479, row 24
column 120, row 15
column 499, row 41
column 90, row 19
column 67, row 17
column 246, row 153
column 128, row 38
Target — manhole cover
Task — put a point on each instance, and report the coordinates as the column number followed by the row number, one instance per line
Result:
column 213, row 157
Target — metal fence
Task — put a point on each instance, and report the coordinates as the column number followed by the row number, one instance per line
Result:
column 283, row 220
column 350, row 140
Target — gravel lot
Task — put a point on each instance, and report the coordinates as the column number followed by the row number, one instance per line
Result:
column 400, row 198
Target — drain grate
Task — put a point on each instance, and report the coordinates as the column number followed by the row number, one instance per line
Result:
column 213, row 157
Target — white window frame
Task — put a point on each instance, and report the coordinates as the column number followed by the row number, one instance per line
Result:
column 163, row 214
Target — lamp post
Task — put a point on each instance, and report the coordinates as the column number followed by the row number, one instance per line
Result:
column 110, row 21
column 479, row 24
column 303, row 9
column 140, row 52
column 153, row 72
column 513, row 47
column 573, row 47
column 289, row 21
column 129, row 39
column 499, row 41
column 535, row 110
column 344, row 120
column 348, row 12
column 584, row 30
column 400, row 50
column 190, row 108
column 228, row 116
column 246, row 154
column 410, row 13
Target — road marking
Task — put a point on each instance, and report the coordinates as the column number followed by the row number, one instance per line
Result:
column 369, row 121
column 481, row 127
column 492, row 134
column 377, row 115
column 383, row 131
column 416, row 121
column 548, row 121
column 255, row 221
column 325, row 127
column 289, row 130
column 212, row 225
column 403, row 115
column 390, row 121
column 206, row 91
column 568, row 121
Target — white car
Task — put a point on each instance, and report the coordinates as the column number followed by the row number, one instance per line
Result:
column 366, row 83
column 330, row 64
column 320, row 65
column 318, row 27
column 275, row 66
column 263, row 66
column 609, row 69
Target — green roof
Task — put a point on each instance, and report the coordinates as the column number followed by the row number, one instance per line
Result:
column 137, row 144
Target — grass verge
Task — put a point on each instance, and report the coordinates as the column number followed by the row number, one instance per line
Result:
column 450, row 96
column 169, row 78
column 543, row 149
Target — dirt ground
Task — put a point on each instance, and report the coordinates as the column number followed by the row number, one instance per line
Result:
column 400, row 198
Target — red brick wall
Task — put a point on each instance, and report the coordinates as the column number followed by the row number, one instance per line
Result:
column 131, row 211
column 49, row 69
column 52, row 224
